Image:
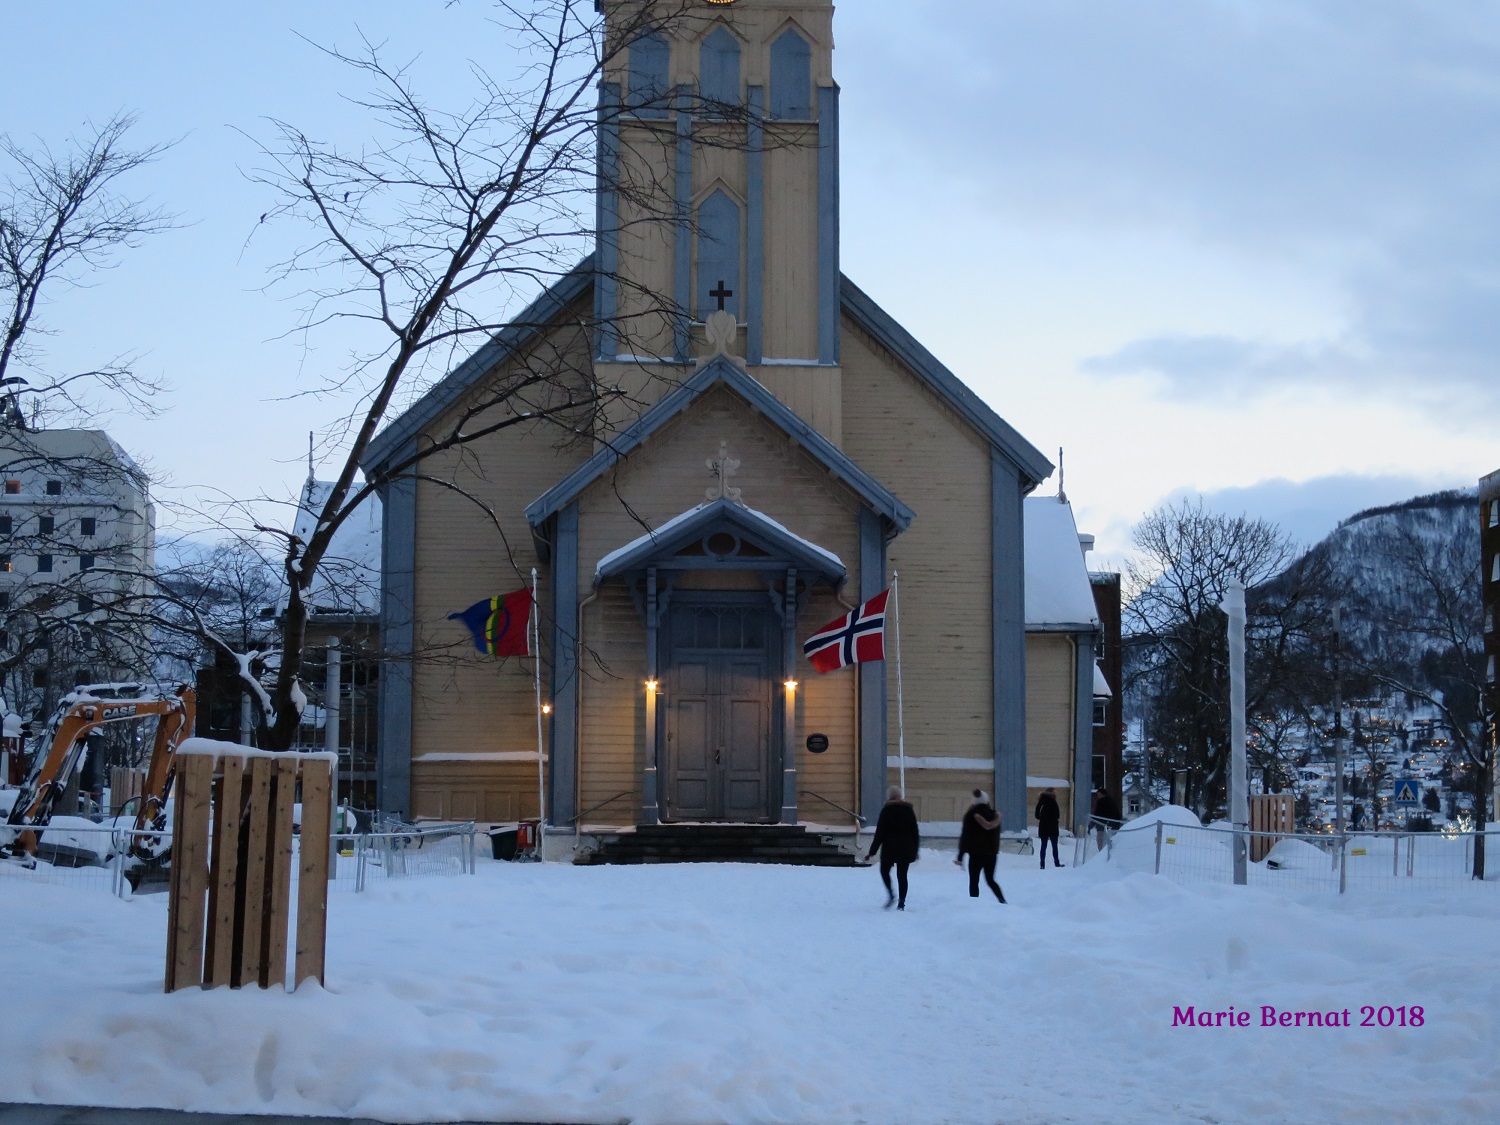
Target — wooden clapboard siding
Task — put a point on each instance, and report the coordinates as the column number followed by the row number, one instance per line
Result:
column 464, row 702
column 943, row 796
column 921, row 450
column 1050, row 700
column 612, row 733
column 815, row 393
column 647, row 237
column 825, row 705
column 489, row 792
column 791, row 242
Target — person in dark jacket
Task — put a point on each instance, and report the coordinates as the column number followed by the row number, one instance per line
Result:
column 1048, row 817
column 979, row 839
column 898, row 841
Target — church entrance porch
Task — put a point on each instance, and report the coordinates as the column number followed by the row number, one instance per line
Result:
column 717, row 759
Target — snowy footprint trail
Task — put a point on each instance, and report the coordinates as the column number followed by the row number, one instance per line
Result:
column 747, row 994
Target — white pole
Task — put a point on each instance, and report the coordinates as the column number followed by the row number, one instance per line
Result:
column 534, row 632
column 900, row 703
column 1239, row 804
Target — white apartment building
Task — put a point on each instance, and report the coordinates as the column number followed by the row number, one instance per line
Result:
column 77, row 544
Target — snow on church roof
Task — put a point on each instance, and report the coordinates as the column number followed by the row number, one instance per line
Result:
column 705, row 514
column 348, row 580
column 1058, row 591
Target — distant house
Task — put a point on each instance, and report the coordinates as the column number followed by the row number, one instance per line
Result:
column 1062, row 673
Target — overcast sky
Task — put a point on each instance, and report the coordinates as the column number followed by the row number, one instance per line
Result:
column 1243, row 248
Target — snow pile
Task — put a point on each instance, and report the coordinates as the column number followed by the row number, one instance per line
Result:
column 1297, row 855
column 746, row 994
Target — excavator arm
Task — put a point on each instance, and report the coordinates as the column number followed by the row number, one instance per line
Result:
column 82, row 712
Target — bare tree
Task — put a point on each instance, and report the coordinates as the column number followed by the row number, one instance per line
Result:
column 420, row 238
column 1433, row 647
column 1176, row 634
column 62, row 220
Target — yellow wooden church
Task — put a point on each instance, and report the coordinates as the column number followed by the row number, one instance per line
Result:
column 788, row 447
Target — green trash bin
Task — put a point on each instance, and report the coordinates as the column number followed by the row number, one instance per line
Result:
column 503, row 842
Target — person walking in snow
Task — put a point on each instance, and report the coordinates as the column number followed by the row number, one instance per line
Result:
column 898, row 841
column 979, row 839
column 1048, row 817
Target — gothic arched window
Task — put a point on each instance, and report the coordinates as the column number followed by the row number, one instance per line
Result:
column 719, row 68
column 650, row 63
column 791, row 77
column 718, row 254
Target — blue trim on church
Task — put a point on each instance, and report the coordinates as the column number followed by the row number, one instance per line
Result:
column 716, row 372
column 755, row 228
column 828, row 225
column 607, row 218
column 682, row 256
column 562, row 772
column 1008, row 638
column 398, row 595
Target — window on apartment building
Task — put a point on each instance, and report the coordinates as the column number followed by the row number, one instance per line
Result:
column 88, row 525
column 54, row 488
column 85, row 562
column 5, row 566
column 1101, row 712
column 39, row 677
column 44, row 564
column 4, row 600
column 12, row 488
column 4, row 640
column 6, row 526
column 85, row 604
column 46, row 525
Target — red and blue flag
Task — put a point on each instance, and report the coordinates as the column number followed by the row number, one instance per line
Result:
column 500, row 625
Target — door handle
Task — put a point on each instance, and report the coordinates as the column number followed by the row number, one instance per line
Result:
column 718, row 756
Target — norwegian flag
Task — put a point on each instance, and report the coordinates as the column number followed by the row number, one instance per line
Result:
column 855, row 638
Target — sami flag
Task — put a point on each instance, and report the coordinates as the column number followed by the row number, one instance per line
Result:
column 855, row 638
column 500, row 625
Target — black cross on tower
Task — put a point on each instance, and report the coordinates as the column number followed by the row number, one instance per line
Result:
column 721, row 294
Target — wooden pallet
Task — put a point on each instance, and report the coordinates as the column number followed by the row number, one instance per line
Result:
column 230, row 911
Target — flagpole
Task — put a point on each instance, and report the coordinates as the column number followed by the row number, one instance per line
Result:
column 541, row 784
column 900, row 703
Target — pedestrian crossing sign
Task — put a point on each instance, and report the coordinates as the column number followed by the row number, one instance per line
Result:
column 1407, row 791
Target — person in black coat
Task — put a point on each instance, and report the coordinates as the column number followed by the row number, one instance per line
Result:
column 979, row 839
column 898, row 840
column 1048, row 817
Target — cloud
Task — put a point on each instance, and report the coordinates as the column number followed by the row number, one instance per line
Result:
column 1355, row 139
column 1308, row 510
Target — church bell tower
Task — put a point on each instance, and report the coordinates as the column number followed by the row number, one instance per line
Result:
column 719, row 189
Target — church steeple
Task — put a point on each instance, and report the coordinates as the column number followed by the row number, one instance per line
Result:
column 718, row 178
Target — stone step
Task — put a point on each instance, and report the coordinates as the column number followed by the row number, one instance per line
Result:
column 720, row 843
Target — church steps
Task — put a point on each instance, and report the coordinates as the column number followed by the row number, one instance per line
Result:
column 750, row 843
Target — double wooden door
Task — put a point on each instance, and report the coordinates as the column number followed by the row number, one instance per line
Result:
column 718, row 738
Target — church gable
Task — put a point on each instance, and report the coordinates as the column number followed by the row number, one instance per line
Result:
column 669, row 474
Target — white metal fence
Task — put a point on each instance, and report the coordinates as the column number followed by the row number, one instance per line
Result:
column 98, row 856
column 1366, row 861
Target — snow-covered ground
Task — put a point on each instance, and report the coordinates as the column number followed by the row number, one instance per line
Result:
column 735, row 993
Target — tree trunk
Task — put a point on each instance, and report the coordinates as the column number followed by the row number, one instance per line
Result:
column 1481, row 807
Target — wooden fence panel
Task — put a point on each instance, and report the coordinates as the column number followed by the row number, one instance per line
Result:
column 223, row 906
column 278, row 897
column 252, row 958
column 312, row 886
column 189, row 872
column 1270, row 812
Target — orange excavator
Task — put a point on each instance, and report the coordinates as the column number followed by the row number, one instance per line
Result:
column 81, row 712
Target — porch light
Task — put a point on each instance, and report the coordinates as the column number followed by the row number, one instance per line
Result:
column 546, row 708
column 790, row 685
column 651, row 686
